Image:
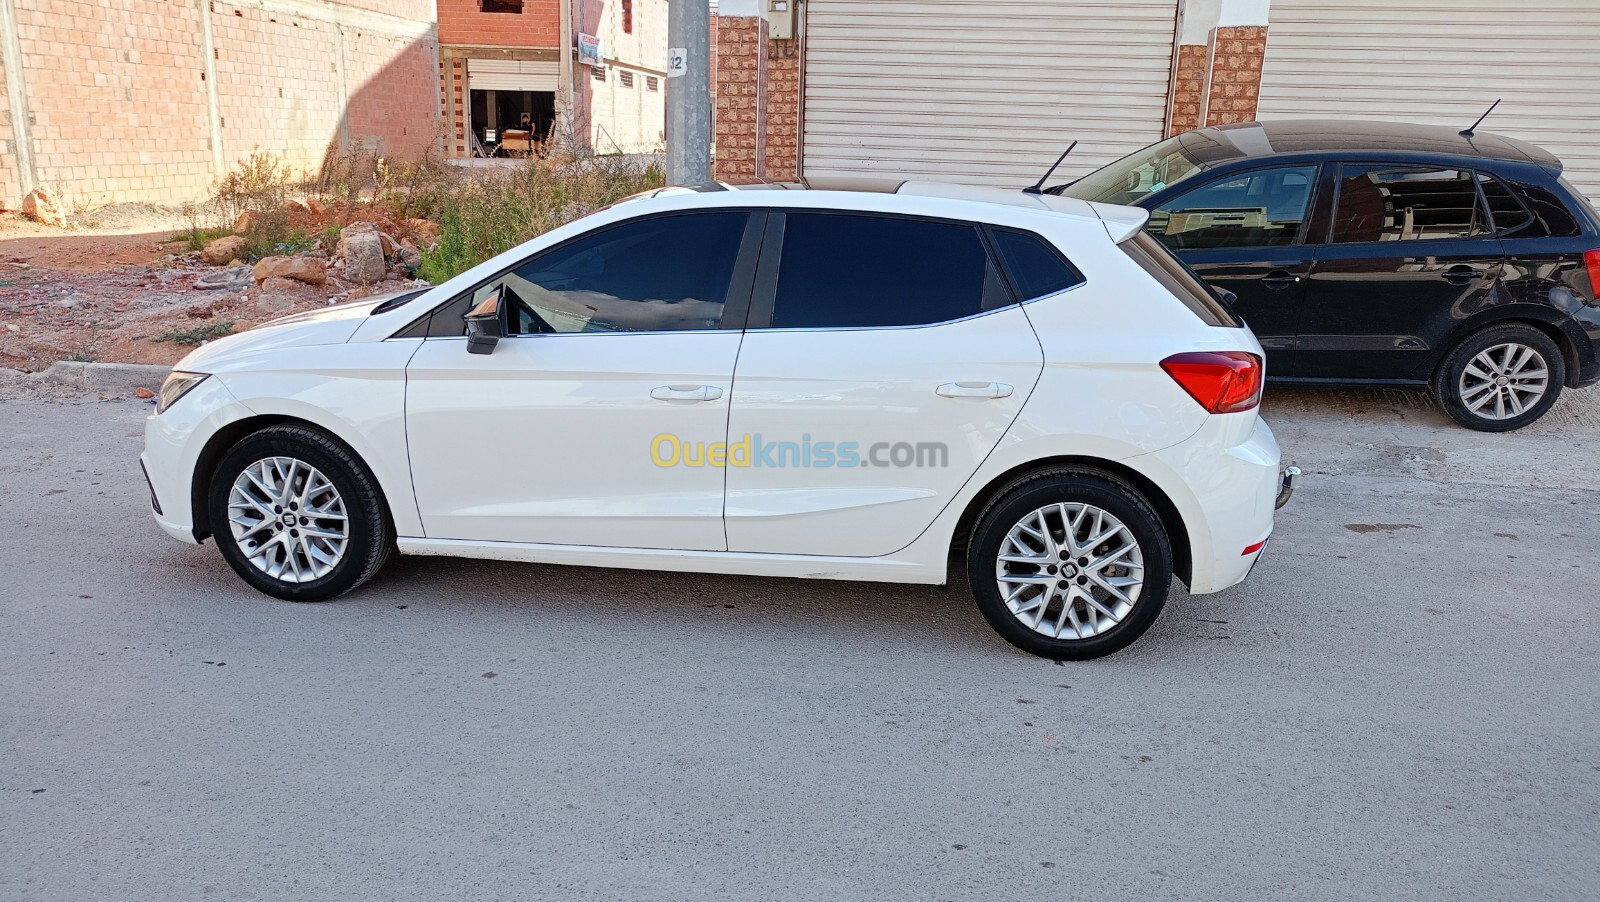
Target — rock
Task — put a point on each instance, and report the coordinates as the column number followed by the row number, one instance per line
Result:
column 308, row 270
column 234, row 278
column 246, row 221
column 224, row 250
column 316, row 207
column 427, row 231
column 42, row 204
column 143, row 393
column 70, row 302
column 361, row 251
column 408, row 255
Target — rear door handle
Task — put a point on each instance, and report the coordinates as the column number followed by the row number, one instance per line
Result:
column 1462, row 273
column 974, row 390
column 686, row 393
column 1278, row 279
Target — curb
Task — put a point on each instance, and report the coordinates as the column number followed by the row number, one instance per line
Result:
column 122, row 378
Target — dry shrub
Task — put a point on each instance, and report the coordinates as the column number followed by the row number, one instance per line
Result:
column 484, row 212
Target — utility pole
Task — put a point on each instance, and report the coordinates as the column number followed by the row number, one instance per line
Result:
column 688, row 92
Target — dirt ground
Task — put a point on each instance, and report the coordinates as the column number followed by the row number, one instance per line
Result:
column 122, row 286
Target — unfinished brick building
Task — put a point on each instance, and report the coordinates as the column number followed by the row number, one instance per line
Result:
column 151, row 100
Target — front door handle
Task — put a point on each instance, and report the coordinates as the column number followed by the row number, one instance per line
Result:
column 686, row 393
column 1279, row 279
column 974, row 390
column 1462, row 273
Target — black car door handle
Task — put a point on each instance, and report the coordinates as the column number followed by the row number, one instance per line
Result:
column 1462, row 273
column 1279, row 279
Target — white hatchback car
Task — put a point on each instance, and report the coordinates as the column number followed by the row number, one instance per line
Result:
column 800, row 383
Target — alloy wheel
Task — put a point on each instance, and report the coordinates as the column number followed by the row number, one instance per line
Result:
column 1504, row 381
column 1070, row 571
column 288, row 519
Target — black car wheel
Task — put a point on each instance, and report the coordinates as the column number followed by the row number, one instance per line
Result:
column 1501, row 378
column 1069, row 564
column 297, row 515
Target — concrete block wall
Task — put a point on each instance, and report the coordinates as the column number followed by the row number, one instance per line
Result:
column 117, row 93
column 613, row 116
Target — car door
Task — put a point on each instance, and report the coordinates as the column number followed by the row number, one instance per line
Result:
column 615, row 339
column 1244, row 232
column 1410, row 253
column 886, row 358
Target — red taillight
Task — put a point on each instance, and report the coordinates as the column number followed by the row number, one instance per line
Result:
column 1222, row 381
column 1591, row 260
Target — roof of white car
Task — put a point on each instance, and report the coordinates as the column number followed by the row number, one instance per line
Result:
column 1119, row 221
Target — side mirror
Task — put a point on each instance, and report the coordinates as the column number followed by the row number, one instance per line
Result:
column 485, row 325
column 1225, row 296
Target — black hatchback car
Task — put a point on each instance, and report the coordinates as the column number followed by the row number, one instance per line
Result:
column 1385, row 253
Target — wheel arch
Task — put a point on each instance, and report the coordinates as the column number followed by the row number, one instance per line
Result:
column 1165, row 510
column 1550, row 327
column 223, row 440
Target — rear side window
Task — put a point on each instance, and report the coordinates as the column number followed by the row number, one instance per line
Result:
column 1035, row 267
column 1505, row 210
column 843, row 270
column 1388, row 203
column 1175, row 276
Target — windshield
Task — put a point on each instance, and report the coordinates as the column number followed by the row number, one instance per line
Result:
column 1130, row 179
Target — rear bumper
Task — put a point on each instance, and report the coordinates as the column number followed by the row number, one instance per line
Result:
column 1225, row 481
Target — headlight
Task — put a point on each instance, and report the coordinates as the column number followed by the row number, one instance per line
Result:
column 177, row 385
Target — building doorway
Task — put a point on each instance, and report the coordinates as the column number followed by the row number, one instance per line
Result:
column 495, row 112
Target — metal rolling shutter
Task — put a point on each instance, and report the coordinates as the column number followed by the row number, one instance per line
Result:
column 1442, row 62
column 512, row 75
column 981, row 92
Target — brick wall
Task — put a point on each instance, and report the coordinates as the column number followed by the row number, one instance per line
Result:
column 465, row 22
column 740, row 79
column 1236, row 57
column 118, row 90
column 1189, row 87
column 757, row 101
column 1219, row 81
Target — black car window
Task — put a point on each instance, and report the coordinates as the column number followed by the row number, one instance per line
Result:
column 1397, row 203
column 1264, row 208
column 844, row 270
column 1549, row 212
column 1505, row 211
column 666, row 273
column 1036, row 268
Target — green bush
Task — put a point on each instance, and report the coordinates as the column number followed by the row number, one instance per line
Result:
column 198, row 334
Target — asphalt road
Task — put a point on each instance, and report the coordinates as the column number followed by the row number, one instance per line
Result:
column 1402, row 702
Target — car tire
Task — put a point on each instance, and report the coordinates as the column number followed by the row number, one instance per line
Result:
column 1061, row 598
column 329, row 530
column 1487, row 381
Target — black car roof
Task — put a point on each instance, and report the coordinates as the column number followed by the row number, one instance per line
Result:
column 1223, row 143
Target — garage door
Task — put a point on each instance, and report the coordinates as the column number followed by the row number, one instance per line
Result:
column 1442, row 62
column 512, row 75
column 982, row 92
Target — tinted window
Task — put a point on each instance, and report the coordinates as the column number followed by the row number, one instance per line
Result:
column 1264, row 208
column 1035, row 267
column 669, row 273
column 1504, row 209
column 1176, row 276
column 1549, row 211
column 842, row 270
column 1385, row 203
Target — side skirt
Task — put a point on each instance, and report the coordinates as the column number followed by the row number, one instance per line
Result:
column 799, row 566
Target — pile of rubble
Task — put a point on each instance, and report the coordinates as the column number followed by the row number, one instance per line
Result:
column 142, row 300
